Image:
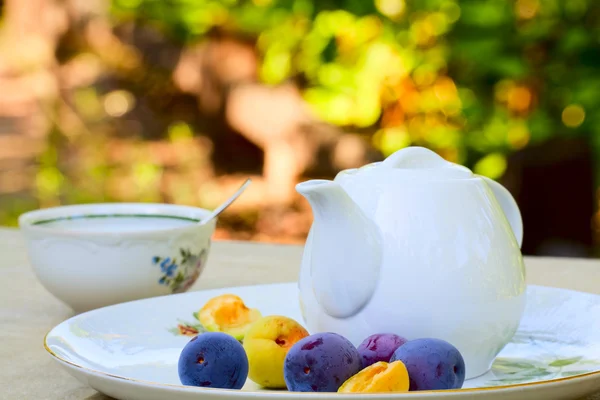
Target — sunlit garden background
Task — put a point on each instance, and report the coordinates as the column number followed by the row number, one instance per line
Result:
column 180, row 100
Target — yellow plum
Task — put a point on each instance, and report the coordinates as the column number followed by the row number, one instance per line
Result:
column 227, row 313
column 267, row 343
column 381, row 377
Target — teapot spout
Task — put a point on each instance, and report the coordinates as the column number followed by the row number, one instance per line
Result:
column 344, row 249
column 325, row 197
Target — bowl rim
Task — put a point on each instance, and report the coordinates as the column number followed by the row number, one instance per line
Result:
column 37, row 221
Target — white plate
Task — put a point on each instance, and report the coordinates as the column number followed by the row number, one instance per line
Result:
column 129, row 351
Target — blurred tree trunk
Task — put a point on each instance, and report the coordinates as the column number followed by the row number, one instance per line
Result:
column 553, row 184
column 222, row 73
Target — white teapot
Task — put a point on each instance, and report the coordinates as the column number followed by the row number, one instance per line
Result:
column 418, row 246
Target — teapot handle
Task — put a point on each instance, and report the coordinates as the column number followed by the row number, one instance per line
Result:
column 509, row 206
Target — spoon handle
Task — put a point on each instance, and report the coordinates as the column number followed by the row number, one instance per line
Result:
column 226, row 204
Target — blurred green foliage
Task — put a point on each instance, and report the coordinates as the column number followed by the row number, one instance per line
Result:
column 472, row 79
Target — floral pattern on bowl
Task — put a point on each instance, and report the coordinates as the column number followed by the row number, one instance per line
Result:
column 180, row 273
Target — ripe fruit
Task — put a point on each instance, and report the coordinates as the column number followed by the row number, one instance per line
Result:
column 379, row 347
column 227, row 313
column 213, row 359
column 266, row 343
column 432, row 364
column 381, row 377
column 320, row 363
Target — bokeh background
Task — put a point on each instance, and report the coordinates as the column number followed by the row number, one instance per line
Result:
column 179, row 101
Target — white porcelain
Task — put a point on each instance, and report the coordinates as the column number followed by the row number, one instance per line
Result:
column 129, row 351
column 95, row 255
column 418, row 246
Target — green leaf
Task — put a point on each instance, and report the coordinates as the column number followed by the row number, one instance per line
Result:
column 574, row 39
column 573, row 373
column 513, row 67
column 503, row 363
column 537, row 372
column 564, row 362
column 512, row 381
column 196, row 315
column 541, row 126
column 488, row 14
column 330, row 52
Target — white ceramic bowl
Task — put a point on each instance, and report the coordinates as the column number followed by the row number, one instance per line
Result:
column 95, row 255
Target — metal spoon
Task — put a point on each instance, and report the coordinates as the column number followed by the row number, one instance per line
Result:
column 225, row 204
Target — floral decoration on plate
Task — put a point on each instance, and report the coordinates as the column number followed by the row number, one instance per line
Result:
column 184, row 328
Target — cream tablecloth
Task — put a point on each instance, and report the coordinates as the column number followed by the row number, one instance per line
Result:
column 28, row 311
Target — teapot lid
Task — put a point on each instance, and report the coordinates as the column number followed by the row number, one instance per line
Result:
column 415, row 162
column 426, row 164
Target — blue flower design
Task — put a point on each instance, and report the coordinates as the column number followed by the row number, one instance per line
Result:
column 165, row 263
column 180, row 273
column 171, row 269
column 168, row 267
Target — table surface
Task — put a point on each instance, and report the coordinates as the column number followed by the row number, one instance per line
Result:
column 28, row 311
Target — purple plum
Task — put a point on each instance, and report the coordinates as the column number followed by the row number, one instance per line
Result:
column 432, row 364
column 213, row 359
column 320, row 363
column 379, row 347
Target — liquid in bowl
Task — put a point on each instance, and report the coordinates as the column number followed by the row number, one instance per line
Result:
column 116, row 223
